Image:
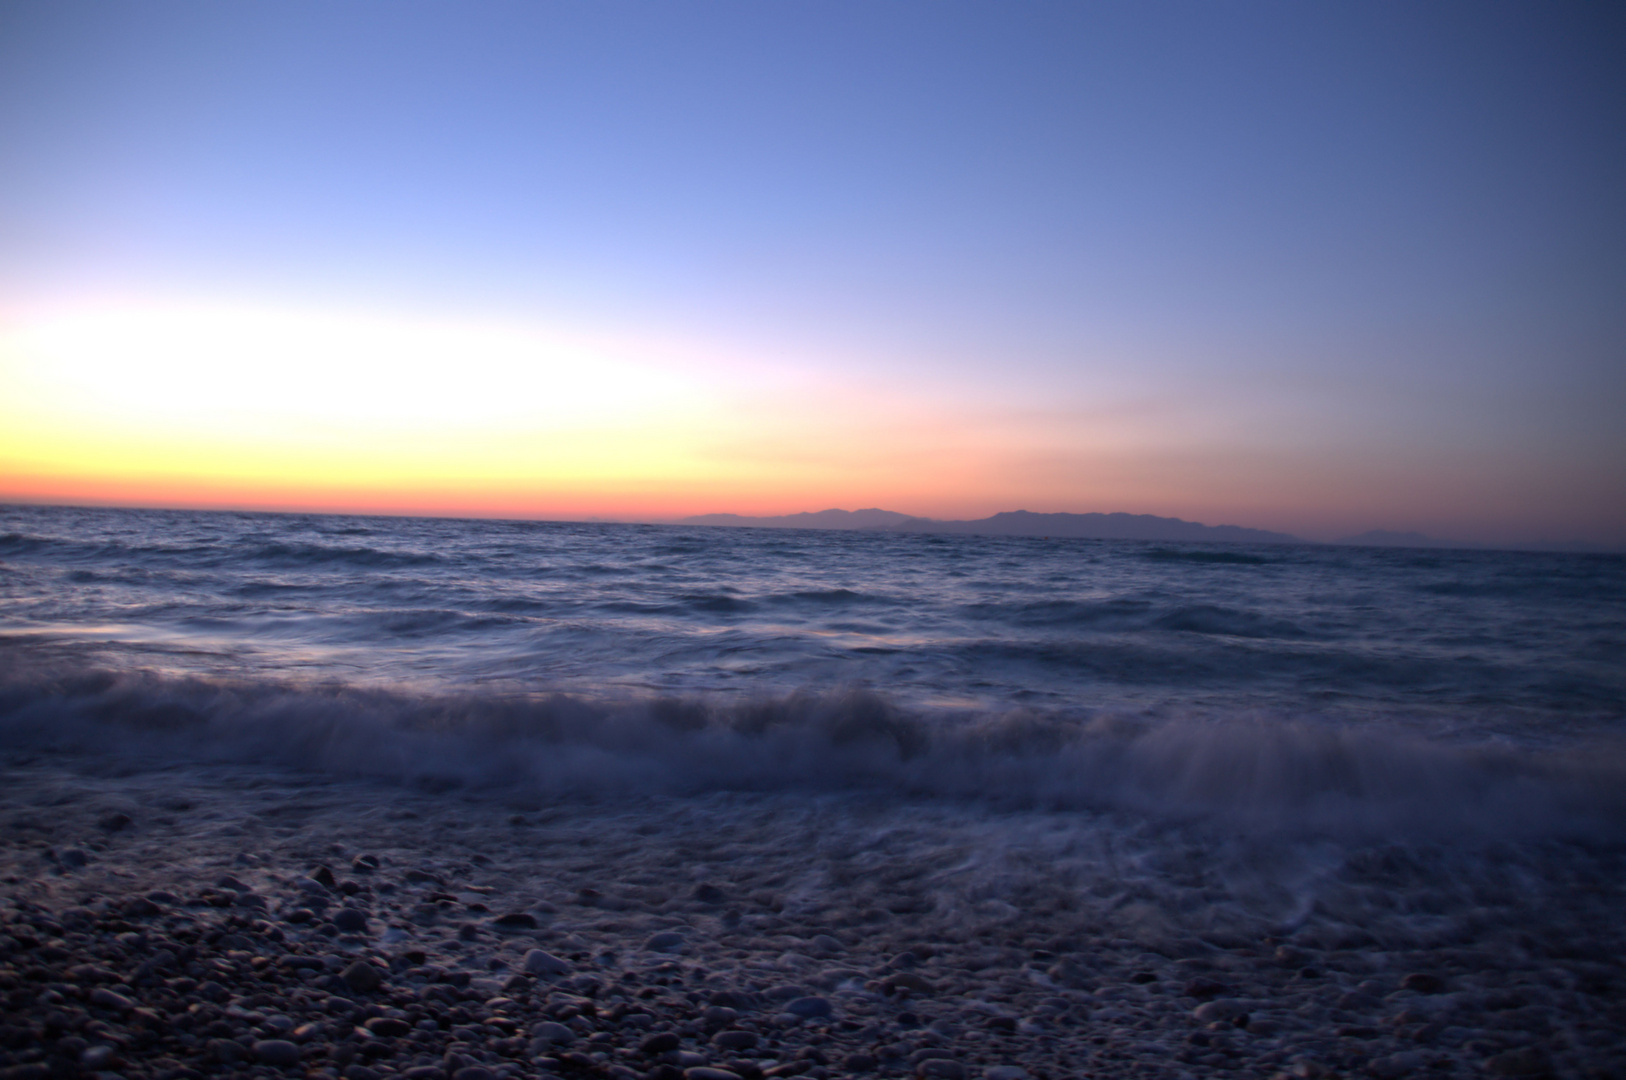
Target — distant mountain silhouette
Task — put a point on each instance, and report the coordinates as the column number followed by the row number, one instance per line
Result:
column 823, row 519
column 1011, row 523
column 1098, row 527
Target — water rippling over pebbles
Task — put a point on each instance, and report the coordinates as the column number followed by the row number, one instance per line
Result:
column 241, row 917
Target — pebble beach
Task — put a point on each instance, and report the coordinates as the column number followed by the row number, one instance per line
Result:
column 228, row 920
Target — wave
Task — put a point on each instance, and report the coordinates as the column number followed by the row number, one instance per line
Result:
column 1261, row 774
column 1202, row 555
column 1228, row 622
column 282, row 554
column 307, row 554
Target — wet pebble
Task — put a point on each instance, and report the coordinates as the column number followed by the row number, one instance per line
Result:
column 544, row 964
column 279, row 1052
column 362, row 977
column 349, row 920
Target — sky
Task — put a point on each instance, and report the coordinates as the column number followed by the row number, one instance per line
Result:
column 1319, row 268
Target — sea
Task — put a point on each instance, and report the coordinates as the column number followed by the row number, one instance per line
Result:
column 1278, row 687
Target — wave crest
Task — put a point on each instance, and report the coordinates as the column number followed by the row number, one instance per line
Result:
column 1254, row 772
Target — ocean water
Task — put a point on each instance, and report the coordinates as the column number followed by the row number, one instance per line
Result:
column 1293, row 686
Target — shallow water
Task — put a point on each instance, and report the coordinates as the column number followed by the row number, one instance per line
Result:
column 1301, row 683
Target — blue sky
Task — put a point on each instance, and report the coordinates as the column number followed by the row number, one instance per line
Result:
column 1313, row 267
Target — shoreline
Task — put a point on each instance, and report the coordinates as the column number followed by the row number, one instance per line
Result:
column 179, row 921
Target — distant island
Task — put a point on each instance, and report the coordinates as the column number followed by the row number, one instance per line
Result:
column 1010, row 523
column 823, row 519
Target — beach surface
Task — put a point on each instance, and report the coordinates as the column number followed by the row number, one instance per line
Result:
column 234, row 920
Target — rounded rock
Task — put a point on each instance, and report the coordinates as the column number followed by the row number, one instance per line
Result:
column 104, row 998
column 1219, row 1009
column 1005, row 1072
column 707, row 1072
column 545, row 964
column 808, row 1007
column 940, row 1069
column 350, row 920
column 98, row 1058
column 362, row 977
column 550, row 1031
column 387, row 1027
column 659, row 1043
column 515, row 920
column 666, row 941
column 734, row 1040
column 278, row 1052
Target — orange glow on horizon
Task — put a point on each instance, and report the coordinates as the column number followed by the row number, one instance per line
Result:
column 238, row 407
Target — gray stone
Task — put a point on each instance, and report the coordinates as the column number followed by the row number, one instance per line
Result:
column 705, row 1072
column 1004, row 1072
column 362, row 977
column 666, row 941
column 279, row 1052
column 809, row 1007
column 734, row 1040
column 545, row 964
column 553, row 1033
column 1525, row 1061
column 940, row 1068
column 387, row 1027
column 104, row 998
column 515, row 920
column 1219, row 1009
column 349, row 920
column 97, row 1058
column 1395, row 1066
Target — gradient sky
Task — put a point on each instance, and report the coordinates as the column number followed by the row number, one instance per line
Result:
column 1312, row 267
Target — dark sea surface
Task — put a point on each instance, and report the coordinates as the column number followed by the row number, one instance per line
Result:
column 1297, row 683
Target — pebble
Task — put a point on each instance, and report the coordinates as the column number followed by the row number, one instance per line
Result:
column 278, row 1052
column 362, row 977
column 1219, row 1009
column 349, row 920
column 550, row 1031
column 1524, row 1061
column 104, row 998
column 544, row 964
column 666, row 941
column 515, row 920
column 152, row 985
column 809, row 1007
column 909, row 981
column 388, row 1027
column 1423, row 982
column 97, row 1058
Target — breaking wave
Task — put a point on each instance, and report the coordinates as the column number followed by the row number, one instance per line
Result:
column 1251, row 772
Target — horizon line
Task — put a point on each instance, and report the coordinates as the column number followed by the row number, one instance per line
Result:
column 1427, row 541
